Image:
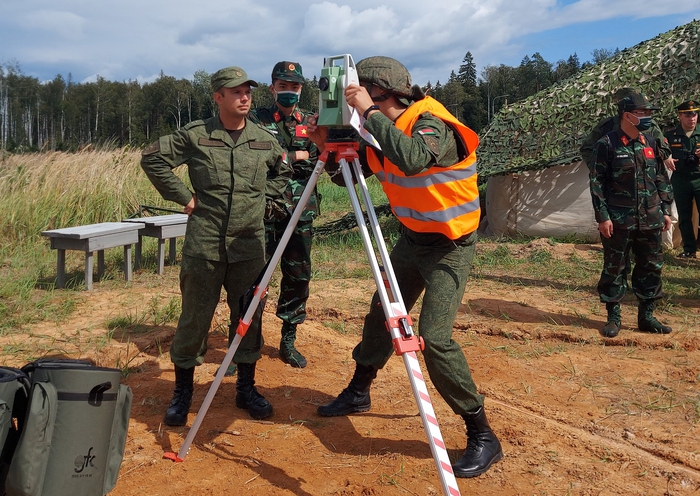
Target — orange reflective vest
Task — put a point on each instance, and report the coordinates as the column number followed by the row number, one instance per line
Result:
column 442, row 199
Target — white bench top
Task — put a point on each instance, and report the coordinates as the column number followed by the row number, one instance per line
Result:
column 92, row 230
column 161, row 220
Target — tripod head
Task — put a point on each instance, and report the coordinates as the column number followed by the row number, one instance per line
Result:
column 337, row 74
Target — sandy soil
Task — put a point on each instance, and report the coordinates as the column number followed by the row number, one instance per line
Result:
column 576, row 414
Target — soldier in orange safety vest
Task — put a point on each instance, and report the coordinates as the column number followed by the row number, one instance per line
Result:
column 427, row 169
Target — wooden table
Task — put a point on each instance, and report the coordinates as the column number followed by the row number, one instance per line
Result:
column 91, row 238
column 161, row 227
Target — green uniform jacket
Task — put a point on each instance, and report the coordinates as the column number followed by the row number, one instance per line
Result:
column 232, row 182
column 629, row 184
column 682, row 147
column 611, row 123
column 292, row 139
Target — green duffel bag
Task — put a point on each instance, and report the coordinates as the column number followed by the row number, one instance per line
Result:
column 75, row 431
column 14, row 389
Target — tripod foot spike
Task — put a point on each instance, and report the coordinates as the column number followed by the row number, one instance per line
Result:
column 169, row 455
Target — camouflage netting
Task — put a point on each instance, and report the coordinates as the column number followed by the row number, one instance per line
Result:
column 547, row 128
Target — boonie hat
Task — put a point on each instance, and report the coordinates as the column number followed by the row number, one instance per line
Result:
column 288, row 71
column 230, row 77
column 688, row 106
column 635, row 101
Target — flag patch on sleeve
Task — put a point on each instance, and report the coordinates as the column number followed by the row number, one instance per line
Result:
column 427, row 132
column 301, row 132
column 649, row 152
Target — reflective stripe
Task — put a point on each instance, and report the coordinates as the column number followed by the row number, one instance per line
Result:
column 438, row 215
column 447, row 176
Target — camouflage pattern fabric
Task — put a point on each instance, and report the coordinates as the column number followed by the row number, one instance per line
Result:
column 385, row 72
column 425, row 263
column 440, row 267
column 295, row 264
column 647, row 248
column 629, row 184
column 291, row 139
column 225, row 225
column 547, row 129
column 608, row 124
column 686, row 182
column 224, row 244
column 630, row 187
column 200, row 283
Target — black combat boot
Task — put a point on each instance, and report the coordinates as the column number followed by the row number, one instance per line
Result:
column 288, row 353
column 247, row 396
column 483, row 447
column 176, row 414
column 612, row 327
column 646, row 320
column 355, row 397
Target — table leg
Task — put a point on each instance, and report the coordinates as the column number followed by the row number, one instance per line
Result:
column 100, row 264
column 88, row 270
column 61, row 269
column 127, row 262
column 161, row 256
column 137, row 255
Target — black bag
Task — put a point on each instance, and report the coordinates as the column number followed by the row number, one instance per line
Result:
column 14, row 390
column 75, row 430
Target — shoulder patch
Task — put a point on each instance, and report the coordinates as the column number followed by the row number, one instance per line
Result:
column 152, row 148
column 427, row 132
column 210, row 142
column 432, row 143
column 260, row 145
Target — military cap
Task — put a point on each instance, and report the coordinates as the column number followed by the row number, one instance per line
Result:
column 688, row 106
column 288, row 71
column 387, row 73
column 230, row 77
column 635, row 101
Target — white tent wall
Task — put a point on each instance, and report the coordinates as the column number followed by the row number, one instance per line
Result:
column 552, row 202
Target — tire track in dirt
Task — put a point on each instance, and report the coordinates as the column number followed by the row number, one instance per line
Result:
column 626, row 442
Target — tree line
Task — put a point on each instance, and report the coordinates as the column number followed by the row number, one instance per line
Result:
column 64, row 115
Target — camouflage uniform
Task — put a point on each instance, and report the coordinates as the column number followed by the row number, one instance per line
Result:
column 295, row 263
column 686, row 178
column 630, row 187
column 610, row 124
column 224, row 245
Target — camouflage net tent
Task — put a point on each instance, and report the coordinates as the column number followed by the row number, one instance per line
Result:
column 537, row 184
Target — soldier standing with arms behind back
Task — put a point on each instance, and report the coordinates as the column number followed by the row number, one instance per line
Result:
column 632, row 200
column 235, row 167
column 427, row 168
column 288, row 123
column 684, row 141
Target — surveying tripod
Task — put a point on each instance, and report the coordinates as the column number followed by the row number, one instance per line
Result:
column 398, row 322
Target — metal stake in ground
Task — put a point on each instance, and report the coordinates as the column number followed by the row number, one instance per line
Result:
column 398, row 322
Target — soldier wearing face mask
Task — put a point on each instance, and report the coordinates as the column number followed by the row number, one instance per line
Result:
column 632, row 199
column 287, row 122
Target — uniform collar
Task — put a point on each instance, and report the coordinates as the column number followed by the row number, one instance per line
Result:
column 278, row 116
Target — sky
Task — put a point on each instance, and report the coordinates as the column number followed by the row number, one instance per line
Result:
column 122, row 40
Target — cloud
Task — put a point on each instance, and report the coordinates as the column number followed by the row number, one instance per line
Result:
column 122, row 39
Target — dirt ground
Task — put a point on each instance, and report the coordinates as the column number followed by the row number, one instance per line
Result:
column 576, row 414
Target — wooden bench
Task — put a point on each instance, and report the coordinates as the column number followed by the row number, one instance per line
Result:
column 161, row 227
column 91, row 238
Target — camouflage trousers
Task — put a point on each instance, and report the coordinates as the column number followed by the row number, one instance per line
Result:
column 200, row 284
column 440, row 266
column 686, row 188
column 295, row 266
column 647, row 248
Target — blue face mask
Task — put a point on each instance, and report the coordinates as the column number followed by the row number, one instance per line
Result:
column 643, row 123
column 287, row 98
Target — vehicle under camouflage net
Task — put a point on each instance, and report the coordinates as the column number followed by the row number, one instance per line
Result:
column 547, row 128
